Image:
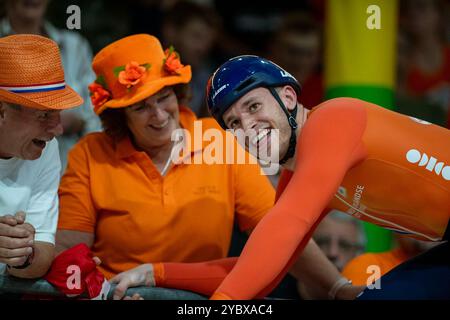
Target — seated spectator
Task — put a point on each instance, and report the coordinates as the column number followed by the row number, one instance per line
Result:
column 297, row 47
column 424, row 80
column 193, row 29
column 28, row 17
column 32, row 94
column 358, row 269
column 341, row 238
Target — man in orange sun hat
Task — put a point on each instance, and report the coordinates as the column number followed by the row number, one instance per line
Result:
column 32, row 94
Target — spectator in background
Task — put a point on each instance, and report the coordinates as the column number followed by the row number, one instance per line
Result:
column 250, row 25
column 297, row 47
column 424, row 55
column 146, row 16
column 28, row 17
column 358, row 270
column 193, row 29
column 341, row 238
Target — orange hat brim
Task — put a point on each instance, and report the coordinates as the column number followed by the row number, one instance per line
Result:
column 58, row 100
column 147, row 89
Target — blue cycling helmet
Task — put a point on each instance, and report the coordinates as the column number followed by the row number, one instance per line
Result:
column 238, row 76
column 241, row 74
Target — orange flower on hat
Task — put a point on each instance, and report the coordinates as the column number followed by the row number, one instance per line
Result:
column 172, row 63
column 132, row 74
column 98, row 94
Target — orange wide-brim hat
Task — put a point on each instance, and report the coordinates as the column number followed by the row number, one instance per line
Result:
column 31, row 74
column 116, row 64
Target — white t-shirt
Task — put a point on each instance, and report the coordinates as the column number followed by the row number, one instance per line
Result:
column 31, row 186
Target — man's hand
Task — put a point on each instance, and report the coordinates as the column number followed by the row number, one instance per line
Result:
column 16, row 239
column 139, row 276
column 349, row 292
column 18, row 218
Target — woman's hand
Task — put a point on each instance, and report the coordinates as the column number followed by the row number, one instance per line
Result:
column 139, row 276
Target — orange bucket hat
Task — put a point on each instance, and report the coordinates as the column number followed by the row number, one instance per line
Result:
column 31, row 74
column 132, row 69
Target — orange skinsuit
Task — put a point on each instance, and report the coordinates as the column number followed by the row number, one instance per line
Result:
column 357, row 269
column 116, row 193
column 354, row 156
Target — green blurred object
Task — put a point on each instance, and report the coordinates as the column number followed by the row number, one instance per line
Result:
column 381, row 96
column 360, row 62
column 378, row 239
column 421, row 108
column 15, row 286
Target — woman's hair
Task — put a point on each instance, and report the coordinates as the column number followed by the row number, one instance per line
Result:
column 114, row 121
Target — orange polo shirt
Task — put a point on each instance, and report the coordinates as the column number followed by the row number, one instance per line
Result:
column 138, row 216
column 357, row 269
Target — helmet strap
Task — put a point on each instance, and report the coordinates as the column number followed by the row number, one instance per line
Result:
column 292, row 123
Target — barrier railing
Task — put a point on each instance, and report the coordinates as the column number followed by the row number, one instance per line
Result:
column 9, row 284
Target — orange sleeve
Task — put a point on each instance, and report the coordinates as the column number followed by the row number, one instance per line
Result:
column 76, row 210
column 330, row 143
column 356, row 269
column 200, row 277
column 285, row 177
column 205, row 277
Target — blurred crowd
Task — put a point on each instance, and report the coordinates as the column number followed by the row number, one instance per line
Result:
column 207, row 32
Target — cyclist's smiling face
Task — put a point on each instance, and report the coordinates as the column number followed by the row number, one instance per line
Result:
column 257, row 112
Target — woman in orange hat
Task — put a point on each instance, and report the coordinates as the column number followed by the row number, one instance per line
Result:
column 123, row 196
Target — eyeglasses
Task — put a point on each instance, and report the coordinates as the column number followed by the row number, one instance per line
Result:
column 44, row 117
